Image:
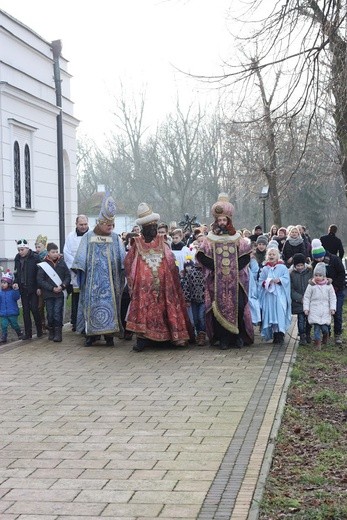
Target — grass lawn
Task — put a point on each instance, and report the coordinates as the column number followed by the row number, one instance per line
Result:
column 308, row 475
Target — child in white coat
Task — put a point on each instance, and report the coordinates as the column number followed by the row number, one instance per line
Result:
column 320, row 304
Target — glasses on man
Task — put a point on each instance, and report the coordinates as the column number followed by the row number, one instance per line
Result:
column 22, row 241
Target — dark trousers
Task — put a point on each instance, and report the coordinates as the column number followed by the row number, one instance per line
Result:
column 303, row 325
column 338, row 314
column 55, row 308
column 30, row 304
column 75, row 297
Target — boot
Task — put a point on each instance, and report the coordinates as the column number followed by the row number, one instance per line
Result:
column 109, row 341
column 303, row 340
column 280, row 338
column 58, row 334
column 3, row 339
column 317, row 344
column 50, row 333
column 308, row 339
column 201, row 339
column 275, row 338
column 19, row 334
column 325, row 339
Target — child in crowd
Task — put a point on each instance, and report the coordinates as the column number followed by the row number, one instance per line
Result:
column 255, row 266
column 274, row 297
column 25, row 274
column 194, row 294
column 9, row 310
column 41, row 250
column 179, row 249
column 320, row 304
column 177, row 240
column 53, row 277
column 300, row 275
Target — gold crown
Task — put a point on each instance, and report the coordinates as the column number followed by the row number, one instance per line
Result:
column 41, row 239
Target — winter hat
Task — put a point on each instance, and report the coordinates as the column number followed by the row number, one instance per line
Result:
column 7, row 276
column 22, row 242
column 262, row 239
column 145, row 215
column 298, row 258
column 273, row 244
column 258, row 227
column 320, row 269
column 317, row 249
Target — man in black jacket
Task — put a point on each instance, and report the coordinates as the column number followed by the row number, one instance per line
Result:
column 332, row 243
column 336, row 272
column 25, row 272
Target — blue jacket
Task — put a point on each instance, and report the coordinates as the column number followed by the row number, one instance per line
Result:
column 8, row 302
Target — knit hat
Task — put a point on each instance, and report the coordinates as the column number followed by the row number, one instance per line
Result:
column 145, row 215
column 273, row 244
column 7, row 276
column 298, row 258
column 22, row 242
column 262, row 239
column 108, row 210
column 222, row 208
column 258, row 227
column 320, row 269
column 317, row 249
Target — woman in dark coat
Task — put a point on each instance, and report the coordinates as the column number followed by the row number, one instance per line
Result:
column 294, row 244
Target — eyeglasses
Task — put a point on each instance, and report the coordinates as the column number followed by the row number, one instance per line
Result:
column 22, row 241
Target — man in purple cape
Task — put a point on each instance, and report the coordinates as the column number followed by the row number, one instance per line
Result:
column 225, row 256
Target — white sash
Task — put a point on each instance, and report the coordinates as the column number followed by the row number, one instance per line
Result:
column 54, row 276
column 48, row 269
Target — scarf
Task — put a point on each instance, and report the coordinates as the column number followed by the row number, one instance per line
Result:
column 295, row 241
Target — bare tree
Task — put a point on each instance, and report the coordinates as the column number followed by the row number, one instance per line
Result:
column 309, row 37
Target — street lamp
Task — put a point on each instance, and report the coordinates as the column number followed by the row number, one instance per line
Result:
column 264, row 194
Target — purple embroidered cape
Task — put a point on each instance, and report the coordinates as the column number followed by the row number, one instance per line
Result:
column 223, row 284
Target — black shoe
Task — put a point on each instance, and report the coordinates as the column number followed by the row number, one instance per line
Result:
column 26, row 337
column 109, row 341
column 20, row 334
column 89, row 341
column 128, row 336
column 280, row 338
column 39, row 334
column 139, row 345
column 73, row 328
column 276, row 338
column 239, row 343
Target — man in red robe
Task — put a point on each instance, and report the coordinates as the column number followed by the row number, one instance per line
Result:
column 225, row 256
column 157, row 311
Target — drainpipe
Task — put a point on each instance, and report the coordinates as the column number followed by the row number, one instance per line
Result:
column 56, row 49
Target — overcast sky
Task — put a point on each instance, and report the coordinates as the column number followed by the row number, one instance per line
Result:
column 136, row 42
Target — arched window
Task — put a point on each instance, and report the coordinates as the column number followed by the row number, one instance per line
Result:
column 27, row 177
column 17, row 192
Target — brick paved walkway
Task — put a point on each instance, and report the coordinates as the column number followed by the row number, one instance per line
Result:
column 99, row 432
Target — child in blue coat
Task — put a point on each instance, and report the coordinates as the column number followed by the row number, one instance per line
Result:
column 9, row 310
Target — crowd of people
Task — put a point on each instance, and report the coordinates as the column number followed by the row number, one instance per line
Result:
column 166, row 285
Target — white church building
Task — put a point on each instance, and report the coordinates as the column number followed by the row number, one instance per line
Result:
column 29, row 186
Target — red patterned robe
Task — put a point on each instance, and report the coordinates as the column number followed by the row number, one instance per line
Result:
column 157, row 309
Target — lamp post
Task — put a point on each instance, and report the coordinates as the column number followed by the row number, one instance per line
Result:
column 264, row 194
column 56, row 49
